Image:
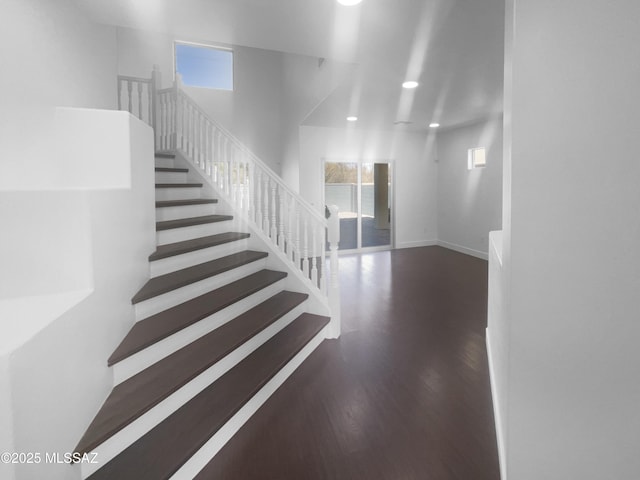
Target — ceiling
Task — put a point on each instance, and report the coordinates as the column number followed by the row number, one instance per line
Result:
column 454, row 48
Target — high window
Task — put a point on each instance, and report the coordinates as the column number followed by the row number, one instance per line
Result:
column 204, row 66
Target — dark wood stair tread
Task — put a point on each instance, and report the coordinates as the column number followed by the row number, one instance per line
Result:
column 191, row 221
column 186, row 246
column 171, row 169
column 161, row 325
column 178, row 185
column 135, row 396
column 165, row 448
column 184, row 203
column 171, row 281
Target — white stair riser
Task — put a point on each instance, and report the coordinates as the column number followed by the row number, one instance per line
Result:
column 178, row 262
column 180, row 295
column 173, row 235
column 165, row 162
column 200, row 459
column 178, row 193
column 187, row 211
column 152, row 354
column 171, row 177
column 117, row 443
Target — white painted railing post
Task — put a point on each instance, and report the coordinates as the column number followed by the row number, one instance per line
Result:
column 153, row 104
column 333, row 236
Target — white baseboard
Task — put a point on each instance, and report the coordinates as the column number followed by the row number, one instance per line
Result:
column 465, row 250
column 502, row 453
column 422, row 243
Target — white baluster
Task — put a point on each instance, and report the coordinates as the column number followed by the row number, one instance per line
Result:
column 251, row 193
column 257, row 204
column 273, row 233
column 194, row 128
column 174, row 121
column 140, row 114
column 209, row 139
column 192, row 132
column 281, row 217
column 323, row 260
column 161, row 127
column 290, row 215
column 265, row 216
column 244, row 184
column 169, row 128
column 297, row 259
column 200, row 156
column 233, row 177
column 120, row 94
column 219, row 157
column 181, row 117
column 305, row 251
column 216, row 156
column 129, row 107
column 314, row 256
column 187, row 128
column 150, row 100
column 227, row 167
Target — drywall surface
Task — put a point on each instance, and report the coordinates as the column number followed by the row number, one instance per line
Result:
column 571, row 245
column 306, row 82
column 61, row 327
column 52, row 56
column 251, row 112
column 469, row 201
column 7, row 470
column 413, row 168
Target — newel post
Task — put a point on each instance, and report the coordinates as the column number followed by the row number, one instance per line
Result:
column 333, row 237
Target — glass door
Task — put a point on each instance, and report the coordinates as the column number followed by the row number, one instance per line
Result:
column 376, row 205
column 362, row 193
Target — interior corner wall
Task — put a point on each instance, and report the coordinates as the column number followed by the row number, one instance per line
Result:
column 252, row 111
column 575, row 230
column 52, row 55
column 469, row 201
column 412, row 155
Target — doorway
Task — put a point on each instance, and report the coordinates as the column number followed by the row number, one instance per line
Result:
column 362, row 192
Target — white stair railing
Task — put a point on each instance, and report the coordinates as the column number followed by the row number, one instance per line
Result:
column 290, row 223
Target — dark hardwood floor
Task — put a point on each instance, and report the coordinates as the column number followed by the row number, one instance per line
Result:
column 404, row 393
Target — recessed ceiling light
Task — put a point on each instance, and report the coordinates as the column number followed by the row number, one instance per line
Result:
column 410, row 84
column 352, row 119
column 434, row 125
column 348, row 3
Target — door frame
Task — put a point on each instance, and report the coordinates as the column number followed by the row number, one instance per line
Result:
column 392, row 198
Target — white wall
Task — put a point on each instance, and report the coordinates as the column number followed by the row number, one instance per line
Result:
column 51, row 56
column 59, row 329
column 412, row 156
column 306, row 82
column 252, row 111
column 469, row 201
column 571, row 242
column 7, row 470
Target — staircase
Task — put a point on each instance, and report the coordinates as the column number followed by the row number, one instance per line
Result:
column 222, row 322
